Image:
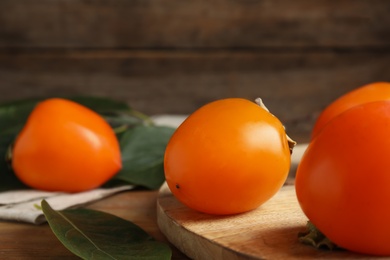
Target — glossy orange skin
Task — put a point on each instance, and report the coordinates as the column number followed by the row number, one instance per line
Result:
column 229, row 156
column 65, row 146
column 343, row 180
column 372, row 92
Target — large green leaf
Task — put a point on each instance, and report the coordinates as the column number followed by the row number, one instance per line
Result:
column 92, row 234
column 117, row 113
column 143, row 149
column 101, row 104
column 13, row 115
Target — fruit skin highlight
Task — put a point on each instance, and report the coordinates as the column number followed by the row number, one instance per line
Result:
column 228, row 157
column 65, row 146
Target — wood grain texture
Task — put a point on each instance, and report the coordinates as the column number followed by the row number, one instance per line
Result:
column 269, row 232
column 194, row 24
column 296, row 86
column 173, row 56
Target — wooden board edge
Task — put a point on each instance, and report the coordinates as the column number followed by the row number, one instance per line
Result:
column 169, row 226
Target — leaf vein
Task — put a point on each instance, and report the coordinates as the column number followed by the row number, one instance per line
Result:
column 84, row 235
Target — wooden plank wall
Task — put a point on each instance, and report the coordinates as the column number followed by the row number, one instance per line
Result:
column 172, row 56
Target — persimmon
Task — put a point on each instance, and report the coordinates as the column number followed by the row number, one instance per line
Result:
column 65, row 146
column 371, row 92
column 343, row 180
column 229, row 156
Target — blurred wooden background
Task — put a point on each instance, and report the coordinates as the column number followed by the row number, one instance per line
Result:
column 172, row 56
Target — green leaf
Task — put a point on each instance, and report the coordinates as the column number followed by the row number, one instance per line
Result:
column 143, row 149
column 116, row 113
column 100, row 104
column 92, row 234
column 13, row 115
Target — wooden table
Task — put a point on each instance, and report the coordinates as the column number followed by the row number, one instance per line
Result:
column 26, row 241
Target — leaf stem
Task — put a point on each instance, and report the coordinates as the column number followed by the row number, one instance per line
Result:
column 147, row 120
column 120, row 129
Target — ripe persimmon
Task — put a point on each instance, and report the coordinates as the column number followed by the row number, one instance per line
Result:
column 343, row 182
column 65, row 146
column 229, row 156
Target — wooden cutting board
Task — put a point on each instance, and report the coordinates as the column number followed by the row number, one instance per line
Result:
column 269, row 232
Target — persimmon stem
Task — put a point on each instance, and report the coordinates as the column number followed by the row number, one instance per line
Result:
column 260, row 102
column 291, row 142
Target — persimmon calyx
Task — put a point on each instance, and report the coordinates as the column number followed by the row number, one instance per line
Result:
column 315, row 238
column 291, row 142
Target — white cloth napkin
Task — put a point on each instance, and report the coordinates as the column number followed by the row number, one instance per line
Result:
column 24, row 205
